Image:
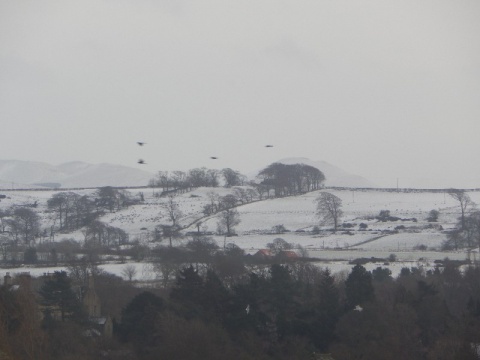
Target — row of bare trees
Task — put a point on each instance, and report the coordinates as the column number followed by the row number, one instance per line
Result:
column 198, row 177
column 21, row 224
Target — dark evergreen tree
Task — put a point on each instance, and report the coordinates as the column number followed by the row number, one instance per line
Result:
column 215, row 301
column 358, row 287
column 327, row 311
column 381, row 274
column 57, row 295
column 188, row 293
column 139, row 319
column 249, row 306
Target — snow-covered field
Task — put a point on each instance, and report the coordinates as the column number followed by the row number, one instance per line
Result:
column 297, row 215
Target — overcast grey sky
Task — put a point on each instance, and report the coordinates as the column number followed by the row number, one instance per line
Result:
column 384, row 89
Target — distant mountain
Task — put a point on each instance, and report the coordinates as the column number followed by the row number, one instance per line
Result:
column 18, row 173
column 334, row 175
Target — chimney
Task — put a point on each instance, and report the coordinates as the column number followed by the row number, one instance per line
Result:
column 7, row 280
column 25, row 281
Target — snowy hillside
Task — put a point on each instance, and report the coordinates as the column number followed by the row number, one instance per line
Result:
column 21, row 174
column 296, row 214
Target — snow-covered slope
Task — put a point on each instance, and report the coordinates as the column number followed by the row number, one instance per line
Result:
column 334, row 175
column 72, row 174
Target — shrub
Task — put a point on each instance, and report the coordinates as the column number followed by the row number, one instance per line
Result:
column 279, row 229
column 433, row 216
column 384, row 215
column 392, row 258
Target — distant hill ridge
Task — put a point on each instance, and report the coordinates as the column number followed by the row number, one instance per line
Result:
column 74, row 174
column 79, row 174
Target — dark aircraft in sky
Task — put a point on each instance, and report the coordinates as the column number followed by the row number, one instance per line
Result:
column 141, row 161
column 213, row 157
column 268, row 145
column 140, row 143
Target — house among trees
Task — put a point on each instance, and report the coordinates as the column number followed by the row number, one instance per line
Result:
column 263, row 254
column 7, row 279
column 288, row 255
column 102, row 325
column 58, row 302
column 23, row 281
column 284, row 255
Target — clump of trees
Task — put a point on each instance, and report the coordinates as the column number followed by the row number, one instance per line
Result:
column 24, row 225
column 291, row 179
column 73, row 211
column 99, row 234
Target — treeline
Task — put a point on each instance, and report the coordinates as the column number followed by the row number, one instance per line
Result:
column 281, row 178
column 403, row 190
column 198, row 177
column 277, row 311
column 295, row 311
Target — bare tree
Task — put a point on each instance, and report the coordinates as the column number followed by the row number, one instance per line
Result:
column 172, row 210
column 4, row 214
column 58, row 203
column 111, row 198
column 228, row 219
column 212, row 177
column 179, row 179
column 169, row 231
column 202, row 249
column 164, row 180
column 232, row 177
column 214, row 201
column 25, row 222
column 465, row 203
column 165, row 271
column 329, row 209
column 129, row 271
